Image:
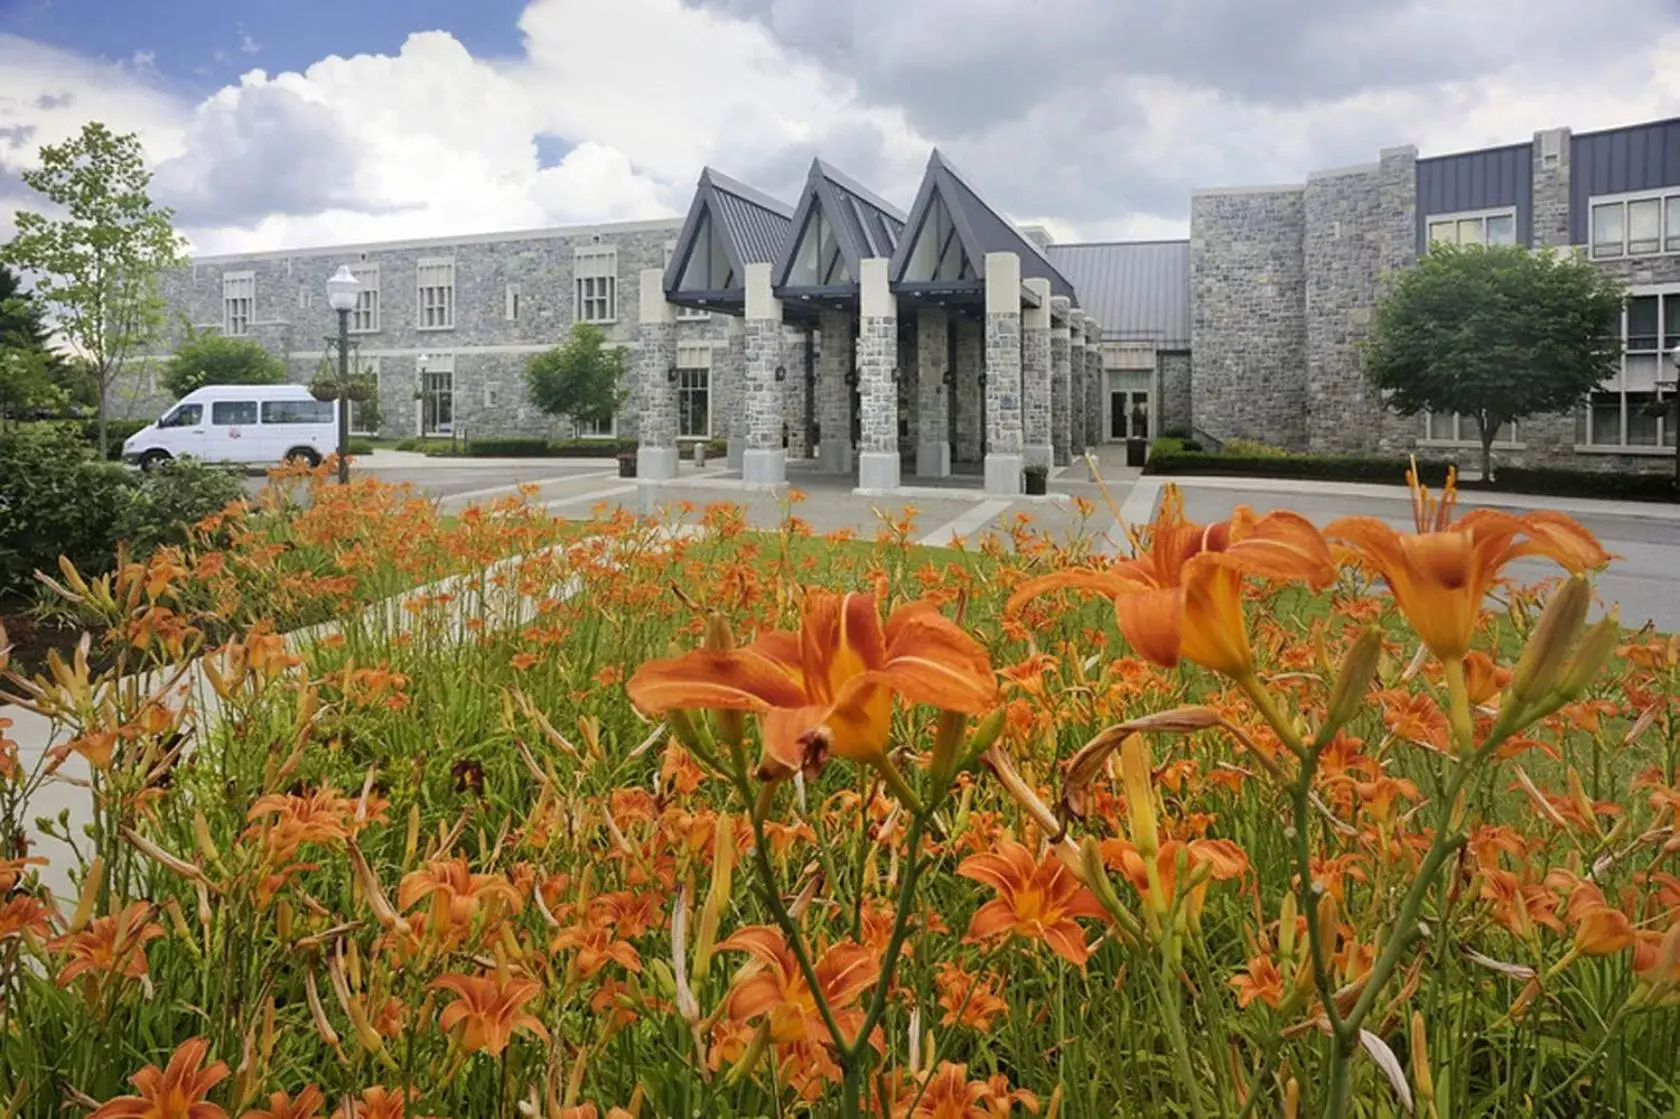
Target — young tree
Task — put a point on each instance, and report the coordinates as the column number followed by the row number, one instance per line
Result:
column 1497, row 333
column 96, row 265
column 582, row 380
column 29, row 368
column 205, row 358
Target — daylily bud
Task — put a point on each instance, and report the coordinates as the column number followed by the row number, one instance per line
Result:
column 1140, row 797
column 1358, row 667
column 1292, row 1099
column 1422, row 1080
column 1286, row 928
column 1594, row 650
column 731, row 725
column 1095, row 874
column 947, row 740
column 201, row 833
column 90, row 894
column 1327, row 923
column 717, row 898
column 985, row 733
column 1549, row 644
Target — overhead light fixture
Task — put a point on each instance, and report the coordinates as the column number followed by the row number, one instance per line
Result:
column 781, row 372
column 671, row 373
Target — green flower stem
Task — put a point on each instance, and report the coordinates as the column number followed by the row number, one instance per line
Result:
column 901, row 927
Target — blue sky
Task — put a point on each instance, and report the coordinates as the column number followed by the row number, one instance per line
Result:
column 201, row 45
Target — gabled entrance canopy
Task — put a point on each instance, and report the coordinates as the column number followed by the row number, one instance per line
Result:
column 838, row 225
column 941, row 257
column 729, row 226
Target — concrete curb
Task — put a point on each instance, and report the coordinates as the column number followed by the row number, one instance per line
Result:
column 1282, row 487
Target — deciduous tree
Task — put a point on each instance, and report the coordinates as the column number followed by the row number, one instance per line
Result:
column 582, row 379
column 206, row 358
column 96, row 259
column 1496, row 333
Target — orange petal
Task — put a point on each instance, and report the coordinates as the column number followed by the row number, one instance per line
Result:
column 738, row 680
column 1282, row 545
column 1151, row 621
column 1109, row 583
column 931, row 660
column 1212, row 631
column 995, row 917
column 1562, row 538
column 783, row 730
column 840, row 637
column 1067, row 940
column 860, row 722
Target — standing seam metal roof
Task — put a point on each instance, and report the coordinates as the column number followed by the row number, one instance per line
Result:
column 1136, row 289
column 754, row 223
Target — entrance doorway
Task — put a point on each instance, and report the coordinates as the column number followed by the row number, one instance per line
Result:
column 1128, row 414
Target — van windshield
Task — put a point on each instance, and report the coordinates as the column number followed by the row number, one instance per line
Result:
column 185, row 415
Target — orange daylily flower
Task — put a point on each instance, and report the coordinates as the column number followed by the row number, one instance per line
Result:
column 1440, row 574
column 375, row 1103
column 828, row 688
column 950, row 1094
column 1037, row 899
column 777, row 987
column 456, row 892
column 281, row 1106
column 110, row 945
column 1182, row 598
column 175, row 1092
column 22, row 915
column 487, row 1010
column 1261, row 981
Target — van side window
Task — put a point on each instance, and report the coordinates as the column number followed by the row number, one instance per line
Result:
column 297, row 411
column 233, row 413
column 186, row 415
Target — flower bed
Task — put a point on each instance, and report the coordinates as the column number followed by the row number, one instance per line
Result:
column 740, row 823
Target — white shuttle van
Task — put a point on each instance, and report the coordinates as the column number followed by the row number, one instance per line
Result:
column 257, row 424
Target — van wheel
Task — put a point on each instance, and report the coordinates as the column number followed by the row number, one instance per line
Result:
column 305, row 455
column 151, row 460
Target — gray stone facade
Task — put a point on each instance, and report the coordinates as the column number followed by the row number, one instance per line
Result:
column 1248, row 337
column 1076, row 383
column 1095, row 388
column 878, row 392
column 1173, row 372
column 933, row 395
column 1035, row 378
column 1003, row 383
column 1060, row 386
column 969, row 393
column 835, row 366
column 766, row 413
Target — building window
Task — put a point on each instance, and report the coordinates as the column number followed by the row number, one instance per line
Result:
column 364, row 317
column 694, row 383
column 239, row 296
column 510, row 303
column 1479, row 227
column 683, row 312
column 364, row 414
column 596, row 270
column 436, row 281
column 595, row 429
column 492, row 396
column 1636, row 225
column 1450, row 427
column 1625, row 412
column 437, row 394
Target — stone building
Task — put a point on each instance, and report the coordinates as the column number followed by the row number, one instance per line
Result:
column 1283, row 280
column 885, row 344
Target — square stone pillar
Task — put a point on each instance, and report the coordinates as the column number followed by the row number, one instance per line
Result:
column 656, row 356
column 1076, row 382
column 835, row 364
column 878, row 373
column 1003, row 374
column 764, row 462
column 1061, row 399
column 796, row 395
column 1035, row 376
column 729, row 371
column 968, row 394
column 933, row 395
column 1095, row 387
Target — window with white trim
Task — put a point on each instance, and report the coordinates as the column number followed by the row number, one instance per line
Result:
column 595, row 429
column 492, row 396
column 364, row 317
column 364, row 414
column 1451, row 427
column 510, row 303
column 435, row 281
column 694, row 395
column 1635, row 224
column 1626, row 412
column 1474, row 227
column 437, row 394
column 239, row 297
column 596, row 273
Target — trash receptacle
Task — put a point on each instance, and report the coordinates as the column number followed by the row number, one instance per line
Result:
column 1137, row 452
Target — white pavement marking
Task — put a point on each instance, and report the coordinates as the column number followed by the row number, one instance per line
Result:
column 513, row 487
column 948, row 534
column 1137, row 509
column 591, row 497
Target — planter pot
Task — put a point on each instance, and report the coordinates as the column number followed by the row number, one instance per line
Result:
column 626, row 466
column 326, row 392
column 361, row 394
column 1037, row 482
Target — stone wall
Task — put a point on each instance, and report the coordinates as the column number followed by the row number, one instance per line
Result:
column 877, row 358
column 1248, row 314
column 1061, row 400
column 970, row 396
column 1173, row 371
column 1003, row 383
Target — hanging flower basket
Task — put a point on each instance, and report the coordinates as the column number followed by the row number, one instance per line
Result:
column 1654, row 408
column 359, row 391
column 324, row 390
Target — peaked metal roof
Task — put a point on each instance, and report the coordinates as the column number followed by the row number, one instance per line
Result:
column 864, row 224
column 752, row 225
column 1136, row 289
column 982, row 229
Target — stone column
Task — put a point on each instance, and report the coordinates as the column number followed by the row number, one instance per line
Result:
column 1061, row 400
column 968, row 397
column 877, row 370
column 933, row 395
column 1550, row 220
column 730, row 377
column 796, row 388
column 1035, row 376
column 656, row 356
column 834, row 398
column 1076, row 382
column 1095, row 386
column 764, row 462
column 1003, row 373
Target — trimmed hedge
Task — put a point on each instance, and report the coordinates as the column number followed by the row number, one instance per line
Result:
column 1168, row 457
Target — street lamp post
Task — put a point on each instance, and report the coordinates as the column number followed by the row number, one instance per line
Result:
column 341, row 297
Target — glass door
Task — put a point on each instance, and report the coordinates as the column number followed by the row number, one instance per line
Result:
column 437, row 402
